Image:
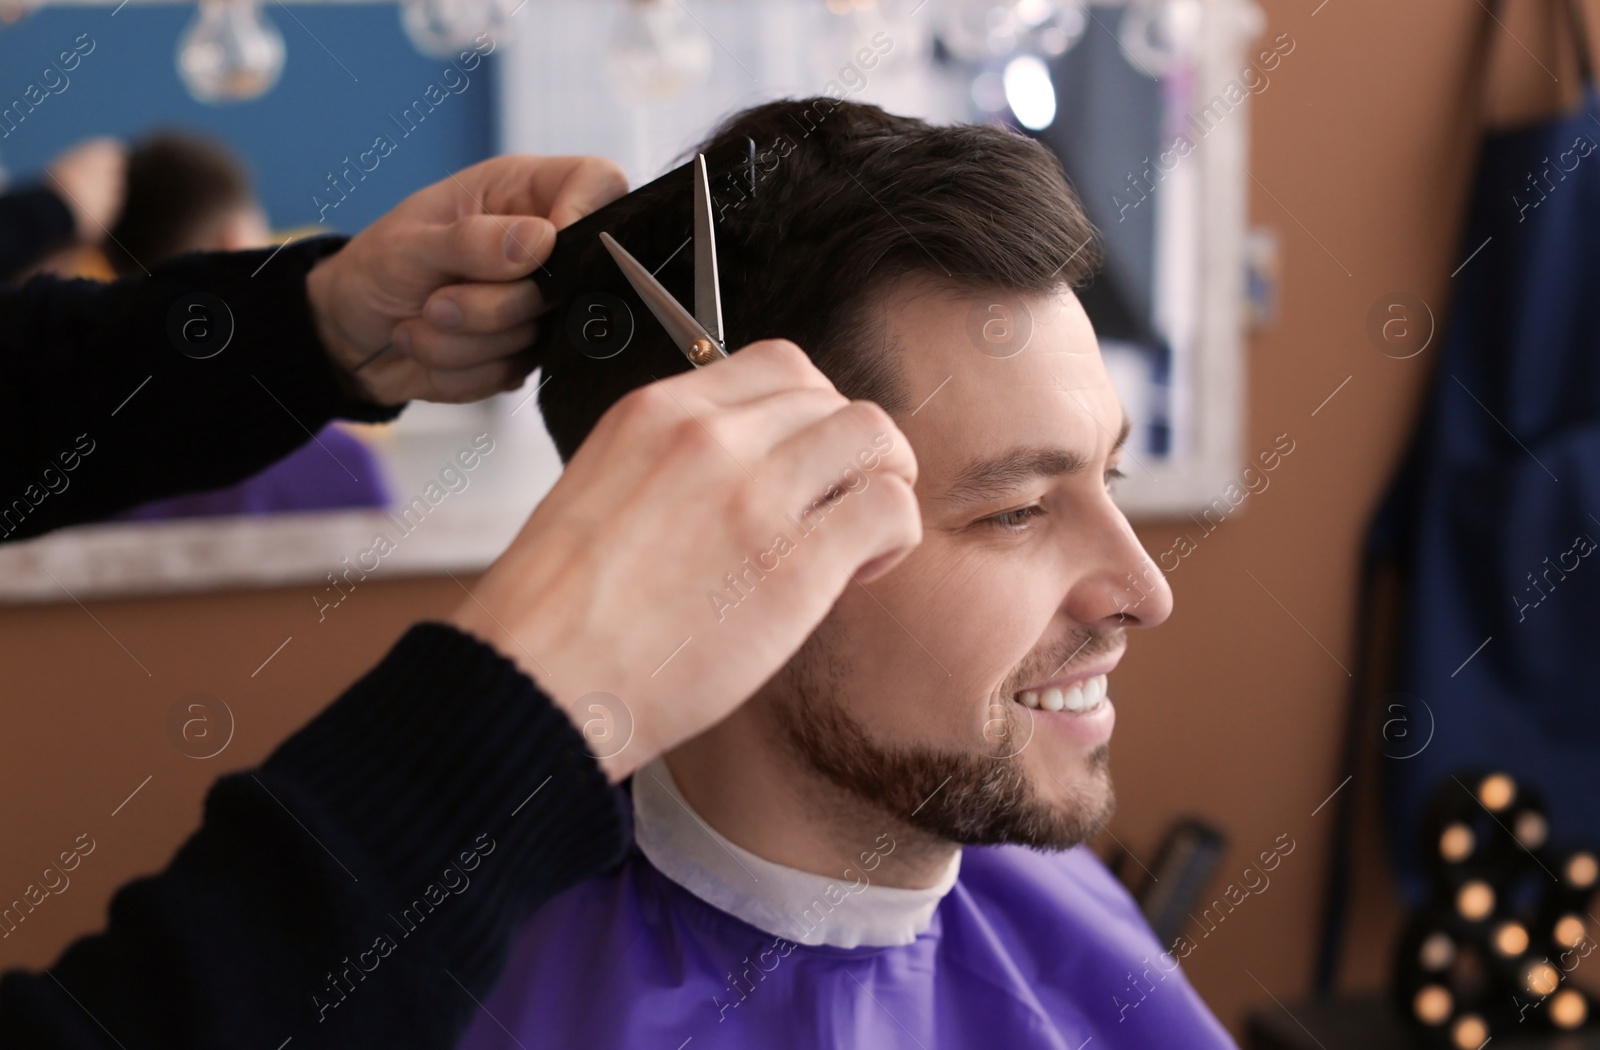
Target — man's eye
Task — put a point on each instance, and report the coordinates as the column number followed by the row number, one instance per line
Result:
column 1114, row 474
column 1015, row 520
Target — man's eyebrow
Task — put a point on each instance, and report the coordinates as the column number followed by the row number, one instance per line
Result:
column 988, row 477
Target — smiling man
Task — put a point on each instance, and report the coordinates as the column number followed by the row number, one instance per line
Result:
column 883, row 847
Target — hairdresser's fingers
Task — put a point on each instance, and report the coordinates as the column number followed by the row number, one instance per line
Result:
column 478, row 308
column 431, row 348
column 630, row 431
column 721, row 445
column 754, row 371
column 757, row 427
column 589, row 184
column 865, row 535
column 459, row 385
column 485, row 247
column 485, row 224
column 860, row 436
column 563, row 188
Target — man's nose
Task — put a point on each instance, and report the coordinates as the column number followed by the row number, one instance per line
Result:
column 1124, row 588
column 1142, row 596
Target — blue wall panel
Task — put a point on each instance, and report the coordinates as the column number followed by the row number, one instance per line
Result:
column 350, row 73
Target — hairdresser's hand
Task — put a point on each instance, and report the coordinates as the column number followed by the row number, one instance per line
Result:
column 438, row 280
column 609, row 586
column 90, row 177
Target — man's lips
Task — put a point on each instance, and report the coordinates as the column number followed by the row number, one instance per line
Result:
column 1099, row 665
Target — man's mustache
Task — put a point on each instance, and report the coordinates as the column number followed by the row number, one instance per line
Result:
column 1079, row 647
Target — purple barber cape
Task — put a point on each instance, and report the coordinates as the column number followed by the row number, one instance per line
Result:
column 1021, row 948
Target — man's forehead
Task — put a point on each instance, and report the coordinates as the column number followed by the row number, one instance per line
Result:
column 974, row 401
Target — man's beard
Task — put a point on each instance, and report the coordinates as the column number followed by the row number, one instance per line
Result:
column 980, row 796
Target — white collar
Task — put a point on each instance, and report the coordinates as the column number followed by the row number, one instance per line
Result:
column 845, row 912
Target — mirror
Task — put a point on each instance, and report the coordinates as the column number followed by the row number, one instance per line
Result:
column 1145, row 102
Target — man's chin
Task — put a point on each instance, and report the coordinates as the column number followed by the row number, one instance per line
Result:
column 1071, row 778
column 1078, row 791
column 1062, row 804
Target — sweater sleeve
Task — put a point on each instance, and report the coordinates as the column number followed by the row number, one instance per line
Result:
column 193, row 377
column 32, row 222
column 360, row 888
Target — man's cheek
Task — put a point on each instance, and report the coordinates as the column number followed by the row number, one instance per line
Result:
column 883, row 672
column 967, row 622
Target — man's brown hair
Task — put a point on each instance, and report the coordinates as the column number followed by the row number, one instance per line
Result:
column 179, row 186
column 847, row 198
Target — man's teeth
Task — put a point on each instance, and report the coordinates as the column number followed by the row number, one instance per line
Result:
column 1085, row 696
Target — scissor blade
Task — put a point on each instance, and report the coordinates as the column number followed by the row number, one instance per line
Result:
column 707, row 289
column 679, row 323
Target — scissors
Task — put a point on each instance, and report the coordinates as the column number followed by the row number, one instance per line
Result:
column 698, row 335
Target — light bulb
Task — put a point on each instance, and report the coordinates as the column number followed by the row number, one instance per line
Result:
column 1029, row 92
column 1156, row 35
column 1056, row 34
column 1436, row 952
column 656, row 52
column 1432, row 1004
column 441, row 28
column 1497, row 791
column 230, row 52
column 1456, row 843
column 976, row 30
column 984, row 30
column 1475, row 900
column 1510, row 939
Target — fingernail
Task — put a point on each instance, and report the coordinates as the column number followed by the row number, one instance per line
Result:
column 521, row 238
column 443, row 314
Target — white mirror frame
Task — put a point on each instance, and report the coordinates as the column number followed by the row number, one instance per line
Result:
column 1216, row 421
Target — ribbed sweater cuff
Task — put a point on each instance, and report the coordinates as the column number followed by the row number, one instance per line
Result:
column 443, row 742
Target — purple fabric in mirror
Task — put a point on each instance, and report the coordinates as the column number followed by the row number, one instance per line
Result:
column 336, row 471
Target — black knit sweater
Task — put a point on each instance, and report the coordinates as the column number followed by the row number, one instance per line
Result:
column 33, row 222
column 361, row 887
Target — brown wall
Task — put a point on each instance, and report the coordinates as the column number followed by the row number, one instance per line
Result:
column 1363, row 147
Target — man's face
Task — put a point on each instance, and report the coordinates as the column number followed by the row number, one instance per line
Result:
column 909, row 695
